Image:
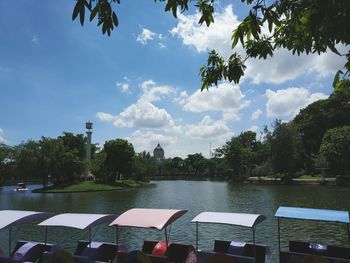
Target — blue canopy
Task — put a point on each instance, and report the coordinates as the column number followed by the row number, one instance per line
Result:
column 313, row 214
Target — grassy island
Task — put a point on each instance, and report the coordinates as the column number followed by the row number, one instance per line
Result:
column 90, row 186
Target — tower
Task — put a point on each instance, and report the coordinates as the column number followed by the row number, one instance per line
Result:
column 88, row 126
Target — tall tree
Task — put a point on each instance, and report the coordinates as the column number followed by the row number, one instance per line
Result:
column 7, row 162
column 336, row 148
column 27, row 160
column 313, row 121
column 240, row 153
column 286, row 149
column 119, row 156
column 144, row 165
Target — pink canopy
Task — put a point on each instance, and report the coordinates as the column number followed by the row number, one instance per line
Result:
column 148, row 218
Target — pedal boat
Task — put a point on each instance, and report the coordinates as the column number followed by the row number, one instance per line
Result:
column 154, row 251
column 232, row 251
column 20, row 187
column 307, row 251
column 24, row 251
column 86, row 251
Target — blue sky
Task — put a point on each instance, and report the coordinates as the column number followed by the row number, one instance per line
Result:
column 142, row 82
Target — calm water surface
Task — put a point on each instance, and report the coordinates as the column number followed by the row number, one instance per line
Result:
column 195, row 196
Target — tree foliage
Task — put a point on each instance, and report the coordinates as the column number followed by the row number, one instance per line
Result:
column 335, row 147
column 144, row 165
column 286, row 149
column 119, row 157
column 300, row 26
column 313, row 121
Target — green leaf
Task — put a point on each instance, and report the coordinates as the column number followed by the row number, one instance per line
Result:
column 115, row 19
column 94, row 12
column 76, row 10
column 336, row 78
column 82, row 14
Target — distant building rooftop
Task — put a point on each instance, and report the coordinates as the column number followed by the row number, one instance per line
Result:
column 158, row 153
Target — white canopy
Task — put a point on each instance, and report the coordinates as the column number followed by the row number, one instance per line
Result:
column 239, row 219
column 10, row 218
column 148, row 218
column 80, row 221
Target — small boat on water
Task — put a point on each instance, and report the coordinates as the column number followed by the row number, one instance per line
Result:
column 24, row 251
column 232, row 251
column 20, row 187
column 311, row 251
column 86, row 251
column 154, row 251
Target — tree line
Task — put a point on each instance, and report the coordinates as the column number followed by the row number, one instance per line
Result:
column 319, row 136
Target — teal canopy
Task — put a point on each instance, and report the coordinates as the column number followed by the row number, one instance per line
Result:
column 313, row 214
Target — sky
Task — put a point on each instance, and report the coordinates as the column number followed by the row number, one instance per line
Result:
column 142, row 83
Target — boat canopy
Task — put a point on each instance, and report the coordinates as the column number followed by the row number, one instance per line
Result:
column 148, row 218
column 76, row 220
column 238, row 219
column 9, row 218
column 313, row 214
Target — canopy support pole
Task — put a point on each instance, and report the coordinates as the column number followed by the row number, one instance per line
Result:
column 10, row 240
column 348, row 232
column 117, row 235
column 90, row 237
column 279, row 239
column 254, row 242
column 45, row 235
column 166, row 237
column 197, row 235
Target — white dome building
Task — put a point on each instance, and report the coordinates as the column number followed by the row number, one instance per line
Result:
column 158, row 153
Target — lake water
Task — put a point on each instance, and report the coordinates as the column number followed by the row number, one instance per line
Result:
column 196, row 197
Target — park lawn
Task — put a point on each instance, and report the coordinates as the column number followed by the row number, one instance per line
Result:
column 308, row 177
column 90, row 186
column 130, row 183
column 87, row 186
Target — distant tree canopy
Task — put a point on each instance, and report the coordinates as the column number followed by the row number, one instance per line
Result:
column 119, row 156
column 335, row 147
column 301, row 26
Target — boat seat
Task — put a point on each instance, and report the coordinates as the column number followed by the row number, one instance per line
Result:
column 260, row 252
column 218, row 257
column 326, row 250
column 339, row 251
column 29, row 252
column 295, row 257
column 178, row 253
column 148, row 246
column 106, row 252
column 158, row 259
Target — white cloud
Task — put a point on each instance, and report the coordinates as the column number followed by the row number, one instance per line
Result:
column 148, row 140
column 225, row 98
column 141, row 114
column 148, row 35
column 253, row 128
column 288, row 102
column 256, row 114
column 281, row 67
column 217, row 36
column 35, row 40
column 284, row 66
column 123, row 86
column 152, row 92
column 161, row 45
column 2, row 139
column 208, row 128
